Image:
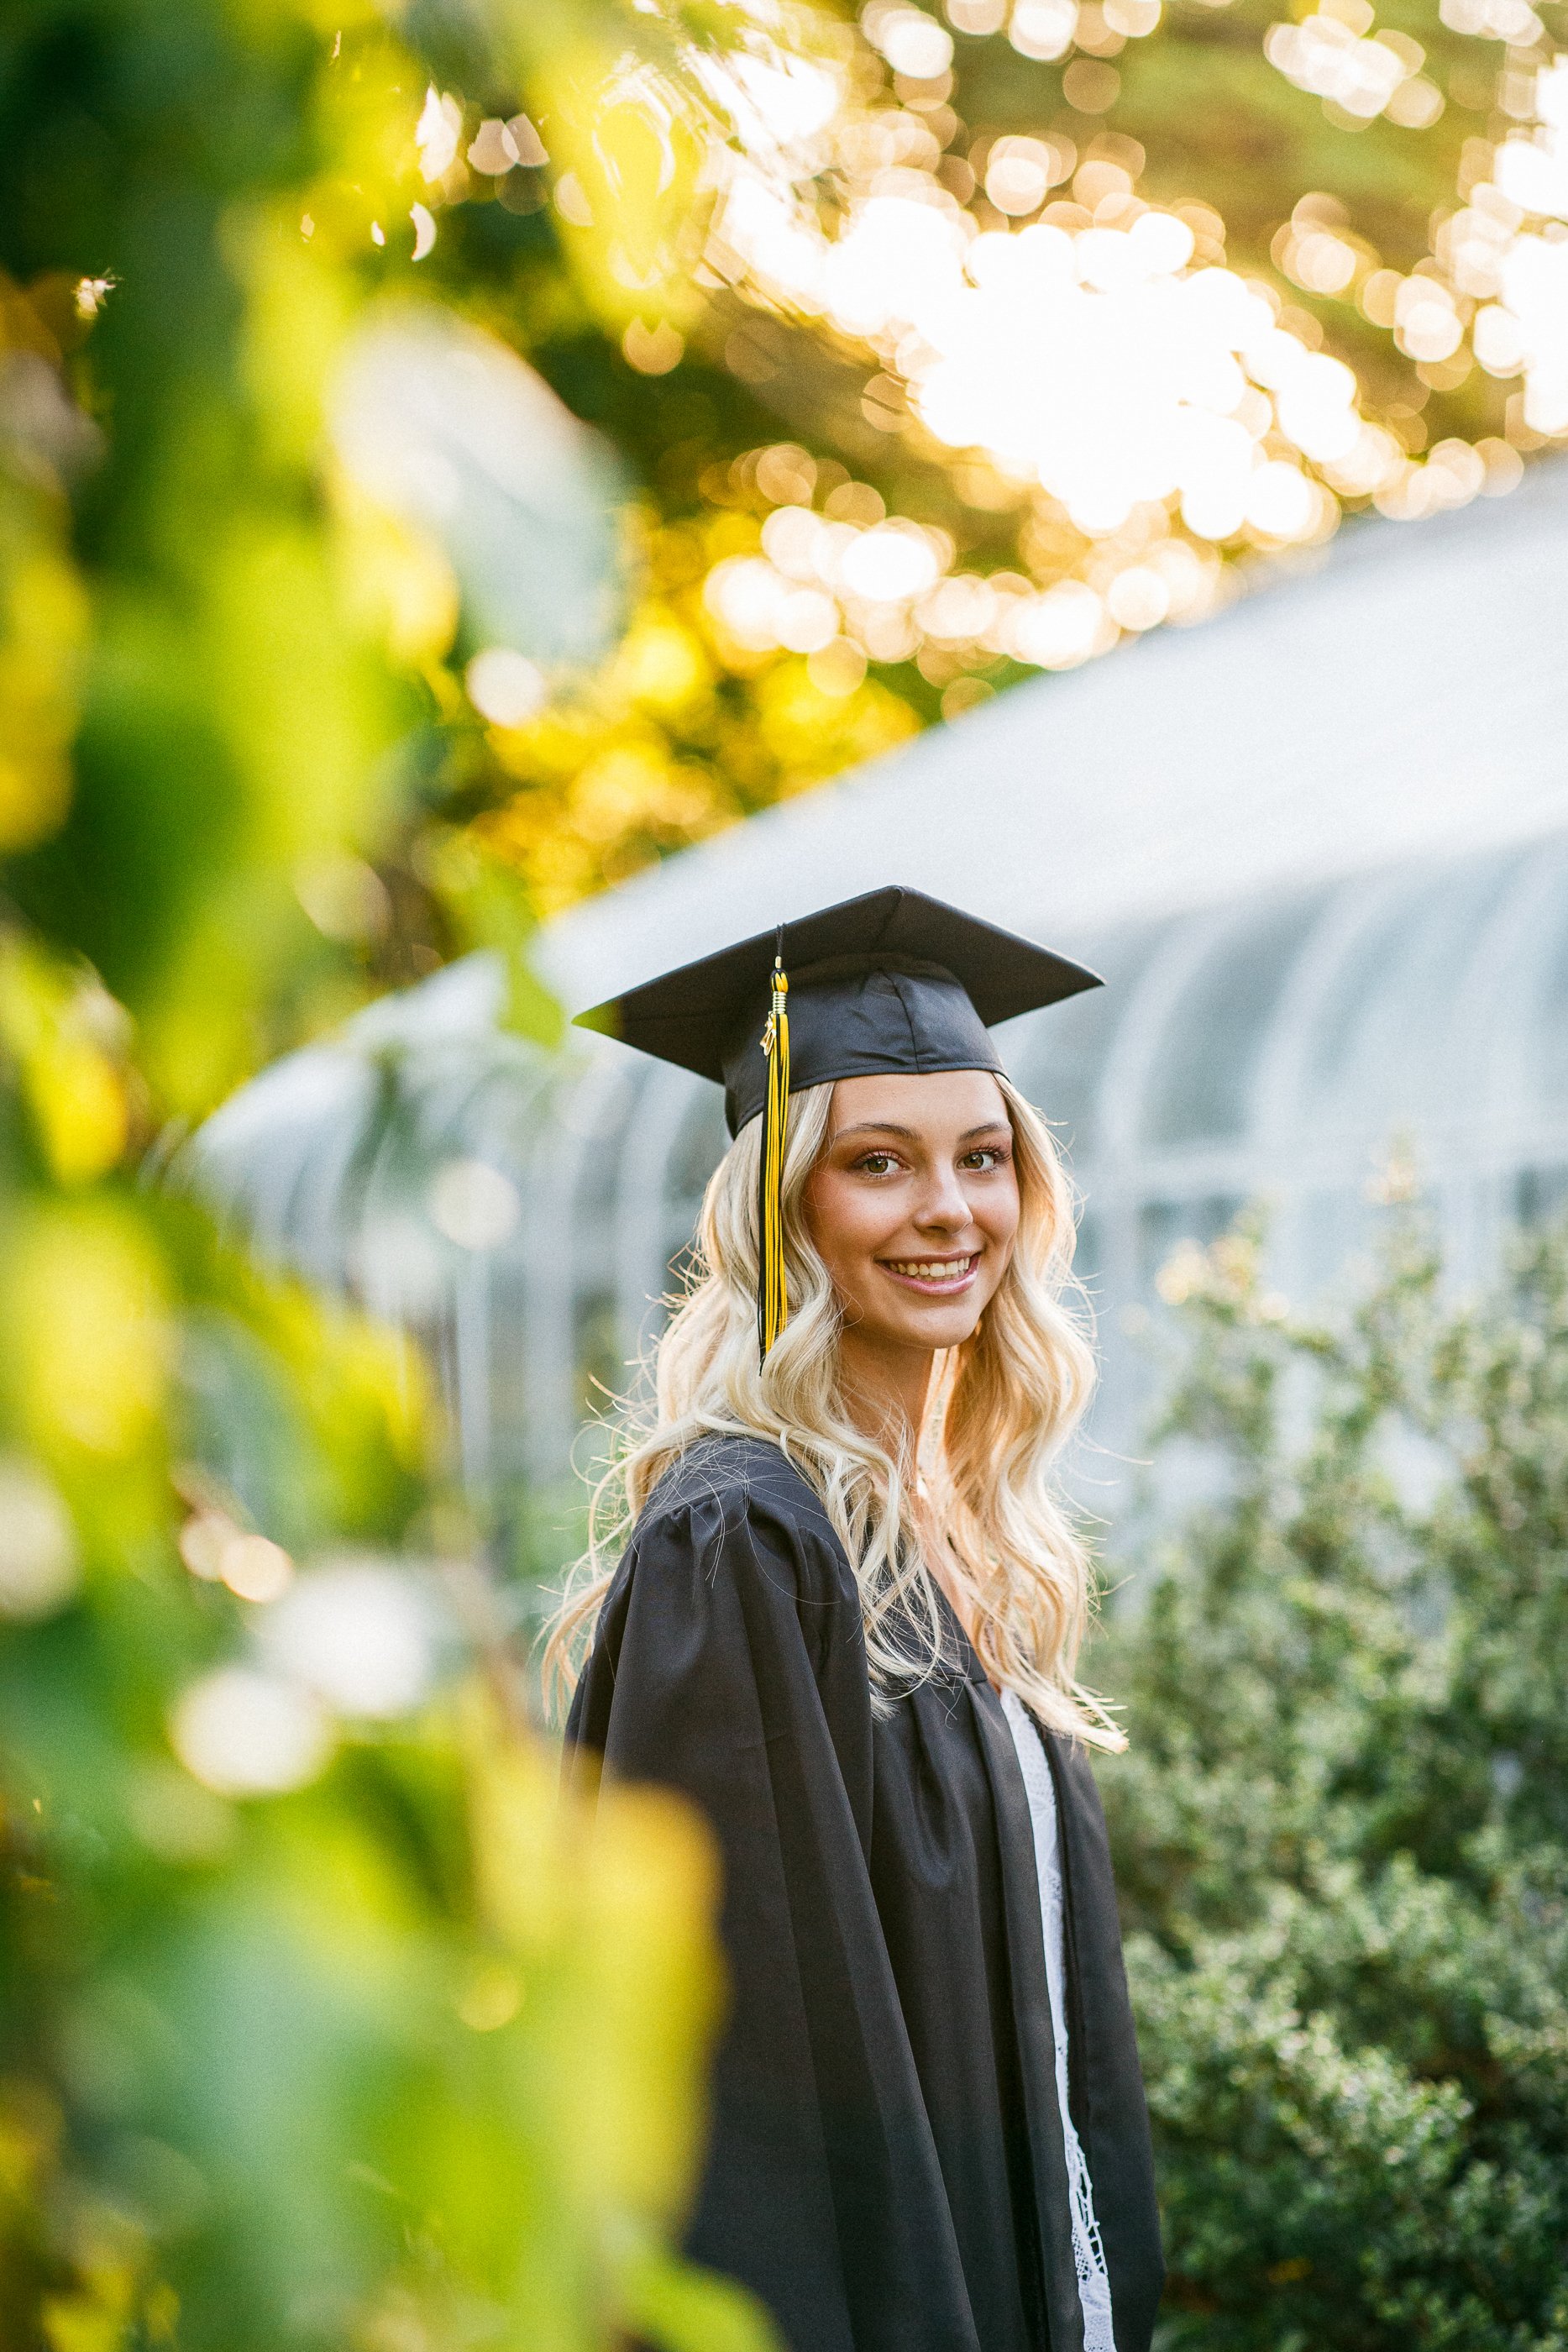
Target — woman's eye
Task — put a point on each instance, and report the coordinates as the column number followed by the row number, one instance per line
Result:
column 874, row 1163
column 986, row 1158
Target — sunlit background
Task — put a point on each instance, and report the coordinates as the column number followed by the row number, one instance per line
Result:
column 947, row 349
column 492, row 499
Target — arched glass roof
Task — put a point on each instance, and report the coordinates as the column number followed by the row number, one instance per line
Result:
column 1401, row 982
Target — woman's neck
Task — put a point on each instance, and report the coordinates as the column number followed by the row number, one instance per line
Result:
column 887, row 1395
column 886, row 1392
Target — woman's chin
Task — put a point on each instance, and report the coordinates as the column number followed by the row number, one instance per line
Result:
column 932, row 1323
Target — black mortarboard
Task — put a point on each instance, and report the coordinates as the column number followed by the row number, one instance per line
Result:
column 893, row 981
column 890, row 982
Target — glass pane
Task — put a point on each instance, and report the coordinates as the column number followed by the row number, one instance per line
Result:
column 1550, row 1027
column 1088, row 1258
column 1059, row 1055
column 1331, row 1224
column 704, row 1140
column 1540, row 1195
column 1202, row 1086
column 1382, row 1051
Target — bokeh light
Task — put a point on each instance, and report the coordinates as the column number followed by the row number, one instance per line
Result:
column 256, row 1569
column 359, row 1632
column 1335, row 54
column 40, row 1566
column 473, row 1205
column 1072, row 347
column 504, row 686
column 242, row 1732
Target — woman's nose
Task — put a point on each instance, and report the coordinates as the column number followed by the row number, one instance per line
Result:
column 943, row 1207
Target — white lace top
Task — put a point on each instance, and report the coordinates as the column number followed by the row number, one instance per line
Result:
column 1089, row 2254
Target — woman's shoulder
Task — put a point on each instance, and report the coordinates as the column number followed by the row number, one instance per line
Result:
column 732, row 1582
column 736, row 1477
column 728, row 1481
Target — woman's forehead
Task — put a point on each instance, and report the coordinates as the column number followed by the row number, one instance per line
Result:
column 936, row 1104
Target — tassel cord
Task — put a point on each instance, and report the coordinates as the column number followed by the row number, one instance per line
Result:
column 772, row 1297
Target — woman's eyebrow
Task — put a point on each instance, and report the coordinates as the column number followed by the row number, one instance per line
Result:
column 886, row 1127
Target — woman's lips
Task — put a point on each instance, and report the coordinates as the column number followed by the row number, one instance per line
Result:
column 937, row 1277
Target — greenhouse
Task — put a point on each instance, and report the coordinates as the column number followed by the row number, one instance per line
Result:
column 1318, row 848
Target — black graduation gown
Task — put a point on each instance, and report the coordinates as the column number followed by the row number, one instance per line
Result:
column 885, row 2168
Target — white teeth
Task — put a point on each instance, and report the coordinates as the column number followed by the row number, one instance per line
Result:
column 930, row 1270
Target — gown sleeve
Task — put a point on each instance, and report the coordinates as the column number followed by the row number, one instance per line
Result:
column 728, row 1665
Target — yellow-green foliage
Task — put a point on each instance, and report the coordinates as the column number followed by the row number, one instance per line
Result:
column 360, row 2040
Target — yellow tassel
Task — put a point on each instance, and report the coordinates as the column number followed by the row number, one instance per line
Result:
column 772, row 1301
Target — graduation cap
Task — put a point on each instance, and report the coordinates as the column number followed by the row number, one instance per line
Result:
column 892, row 982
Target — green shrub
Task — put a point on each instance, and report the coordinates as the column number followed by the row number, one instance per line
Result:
column 1341, row 1829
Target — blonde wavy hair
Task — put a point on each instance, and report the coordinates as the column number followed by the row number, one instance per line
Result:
column 1001, row 1407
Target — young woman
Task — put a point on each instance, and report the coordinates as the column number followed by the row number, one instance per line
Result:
column 840, row 1609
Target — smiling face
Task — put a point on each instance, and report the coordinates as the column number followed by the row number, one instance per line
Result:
column 914, row 1209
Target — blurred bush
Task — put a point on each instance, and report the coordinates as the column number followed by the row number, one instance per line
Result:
column 320, row 2022
column 1341, row 1829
